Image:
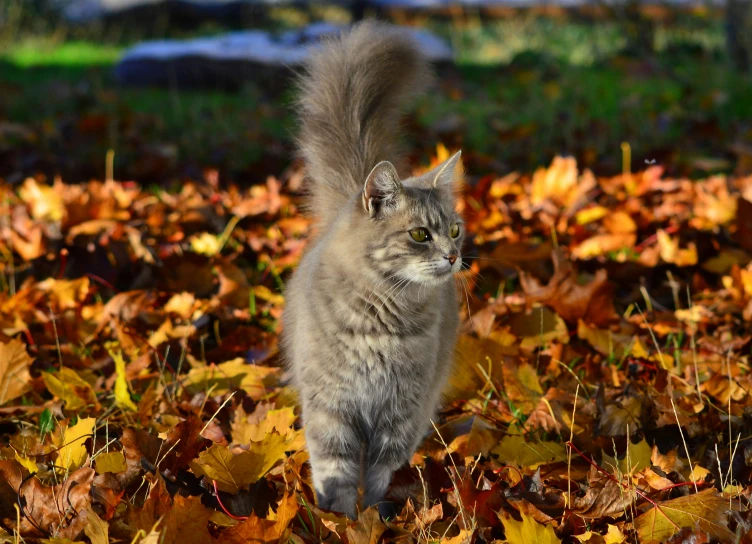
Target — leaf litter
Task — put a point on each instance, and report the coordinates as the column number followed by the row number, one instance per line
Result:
column 600, row 394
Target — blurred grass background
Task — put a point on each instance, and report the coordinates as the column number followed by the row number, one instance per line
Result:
column 528, row 85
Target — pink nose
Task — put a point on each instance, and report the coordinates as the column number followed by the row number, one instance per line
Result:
column 451, row 258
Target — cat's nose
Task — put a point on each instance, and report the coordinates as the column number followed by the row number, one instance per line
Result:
column 451, row 258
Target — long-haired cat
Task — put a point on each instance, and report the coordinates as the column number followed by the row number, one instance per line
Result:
column 371, row 319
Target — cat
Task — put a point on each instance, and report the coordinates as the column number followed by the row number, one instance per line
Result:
column 371, row 319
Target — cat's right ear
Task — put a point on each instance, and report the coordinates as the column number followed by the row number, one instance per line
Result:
column 381, row 188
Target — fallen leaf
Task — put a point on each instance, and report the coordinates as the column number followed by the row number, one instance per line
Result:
column 528, row 530
column 706, row 510
column 592, row 303
column 97, row 529
column 122, row 395
column 236, row 472
column 515, row 450
column 113, row 461
column 14, row 370
column 72, row 452
column 71, row 388
column 256, row 529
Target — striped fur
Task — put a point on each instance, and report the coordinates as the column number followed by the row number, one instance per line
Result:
column 371, row 317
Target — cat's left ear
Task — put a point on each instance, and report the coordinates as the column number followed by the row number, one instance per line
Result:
column 448, row 175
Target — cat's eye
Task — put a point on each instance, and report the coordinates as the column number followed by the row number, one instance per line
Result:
column 420, row 235
column 454, row 230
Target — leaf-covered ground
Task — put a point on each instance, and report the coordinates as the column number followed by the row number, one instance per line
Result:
column 601, row 393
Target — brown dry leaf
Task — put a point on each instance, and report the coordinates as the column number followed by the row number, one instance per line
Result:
column 14, row 370
column 706, row 510
column 258, row 530
column 97, row 529
column 604, row 497
column 236, row 472
column 619, row 415
column 592, row 303
column 465, row 536
column 44, row 504
column 368, row 529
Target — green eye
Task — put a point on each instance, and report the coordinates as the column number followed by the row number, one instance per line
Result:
column 420, row 235
column 454, row 230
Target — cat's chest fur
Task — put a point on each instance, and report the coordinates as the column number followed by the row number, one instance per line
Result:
column 379, row 327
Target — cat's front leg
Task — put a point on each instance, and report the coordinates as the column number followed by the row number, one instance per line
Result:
column 391, row 446
column 334, row 446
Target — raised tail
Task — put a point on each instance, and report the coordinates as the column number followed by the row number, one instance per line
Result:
column 350, row 99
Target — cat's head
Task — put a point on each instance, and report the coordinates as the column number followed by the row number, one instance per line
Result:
column 415, row 232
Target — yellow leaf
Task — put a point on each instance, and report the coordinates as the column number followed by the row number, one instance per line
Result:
column 113, row 461
column 637, row 458
column 72, row 453
column 206, row 244
column 96, row 529
column 698, row 473
column 14, row 370
column 65, row 294
column 70, row 388
column 234, row 374
column 705, row 510
column 513, row 449
column 281, row 420
column 614, row 535
column 588, row 215
column 610, row 343
column 528, row 531
column 122, row 396
column 235, row 472
column 670, row 252
column 45, row 202
column 28, row 464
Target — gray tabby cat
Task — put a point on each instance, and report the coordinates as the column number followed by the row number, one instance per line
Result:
column 371, row 317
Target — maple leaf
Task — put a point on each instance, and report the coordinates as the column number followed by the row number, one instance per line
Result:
column 235, row 472
column 46, row 202
column 528, row 530
column 71, row 388
column 43, row 504
column 706, row 510
column 14, row 370
column 72, row 452
column 368, row 529
column 113, row 461
column 561, row 183
column 256, row 529
column 234, row 374
column 592, row 302
column 516, row 450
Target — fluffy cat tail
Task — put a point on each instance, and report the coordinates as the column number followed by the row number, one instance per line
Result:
column 350, row 97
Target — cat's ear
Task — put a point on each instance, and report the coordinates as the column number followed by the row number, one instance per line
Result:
column 447, row 176
column 381, row 188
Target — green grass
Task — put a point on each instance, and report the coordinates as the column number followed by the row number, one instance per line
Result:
column 530, row 88
column 34, row 52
